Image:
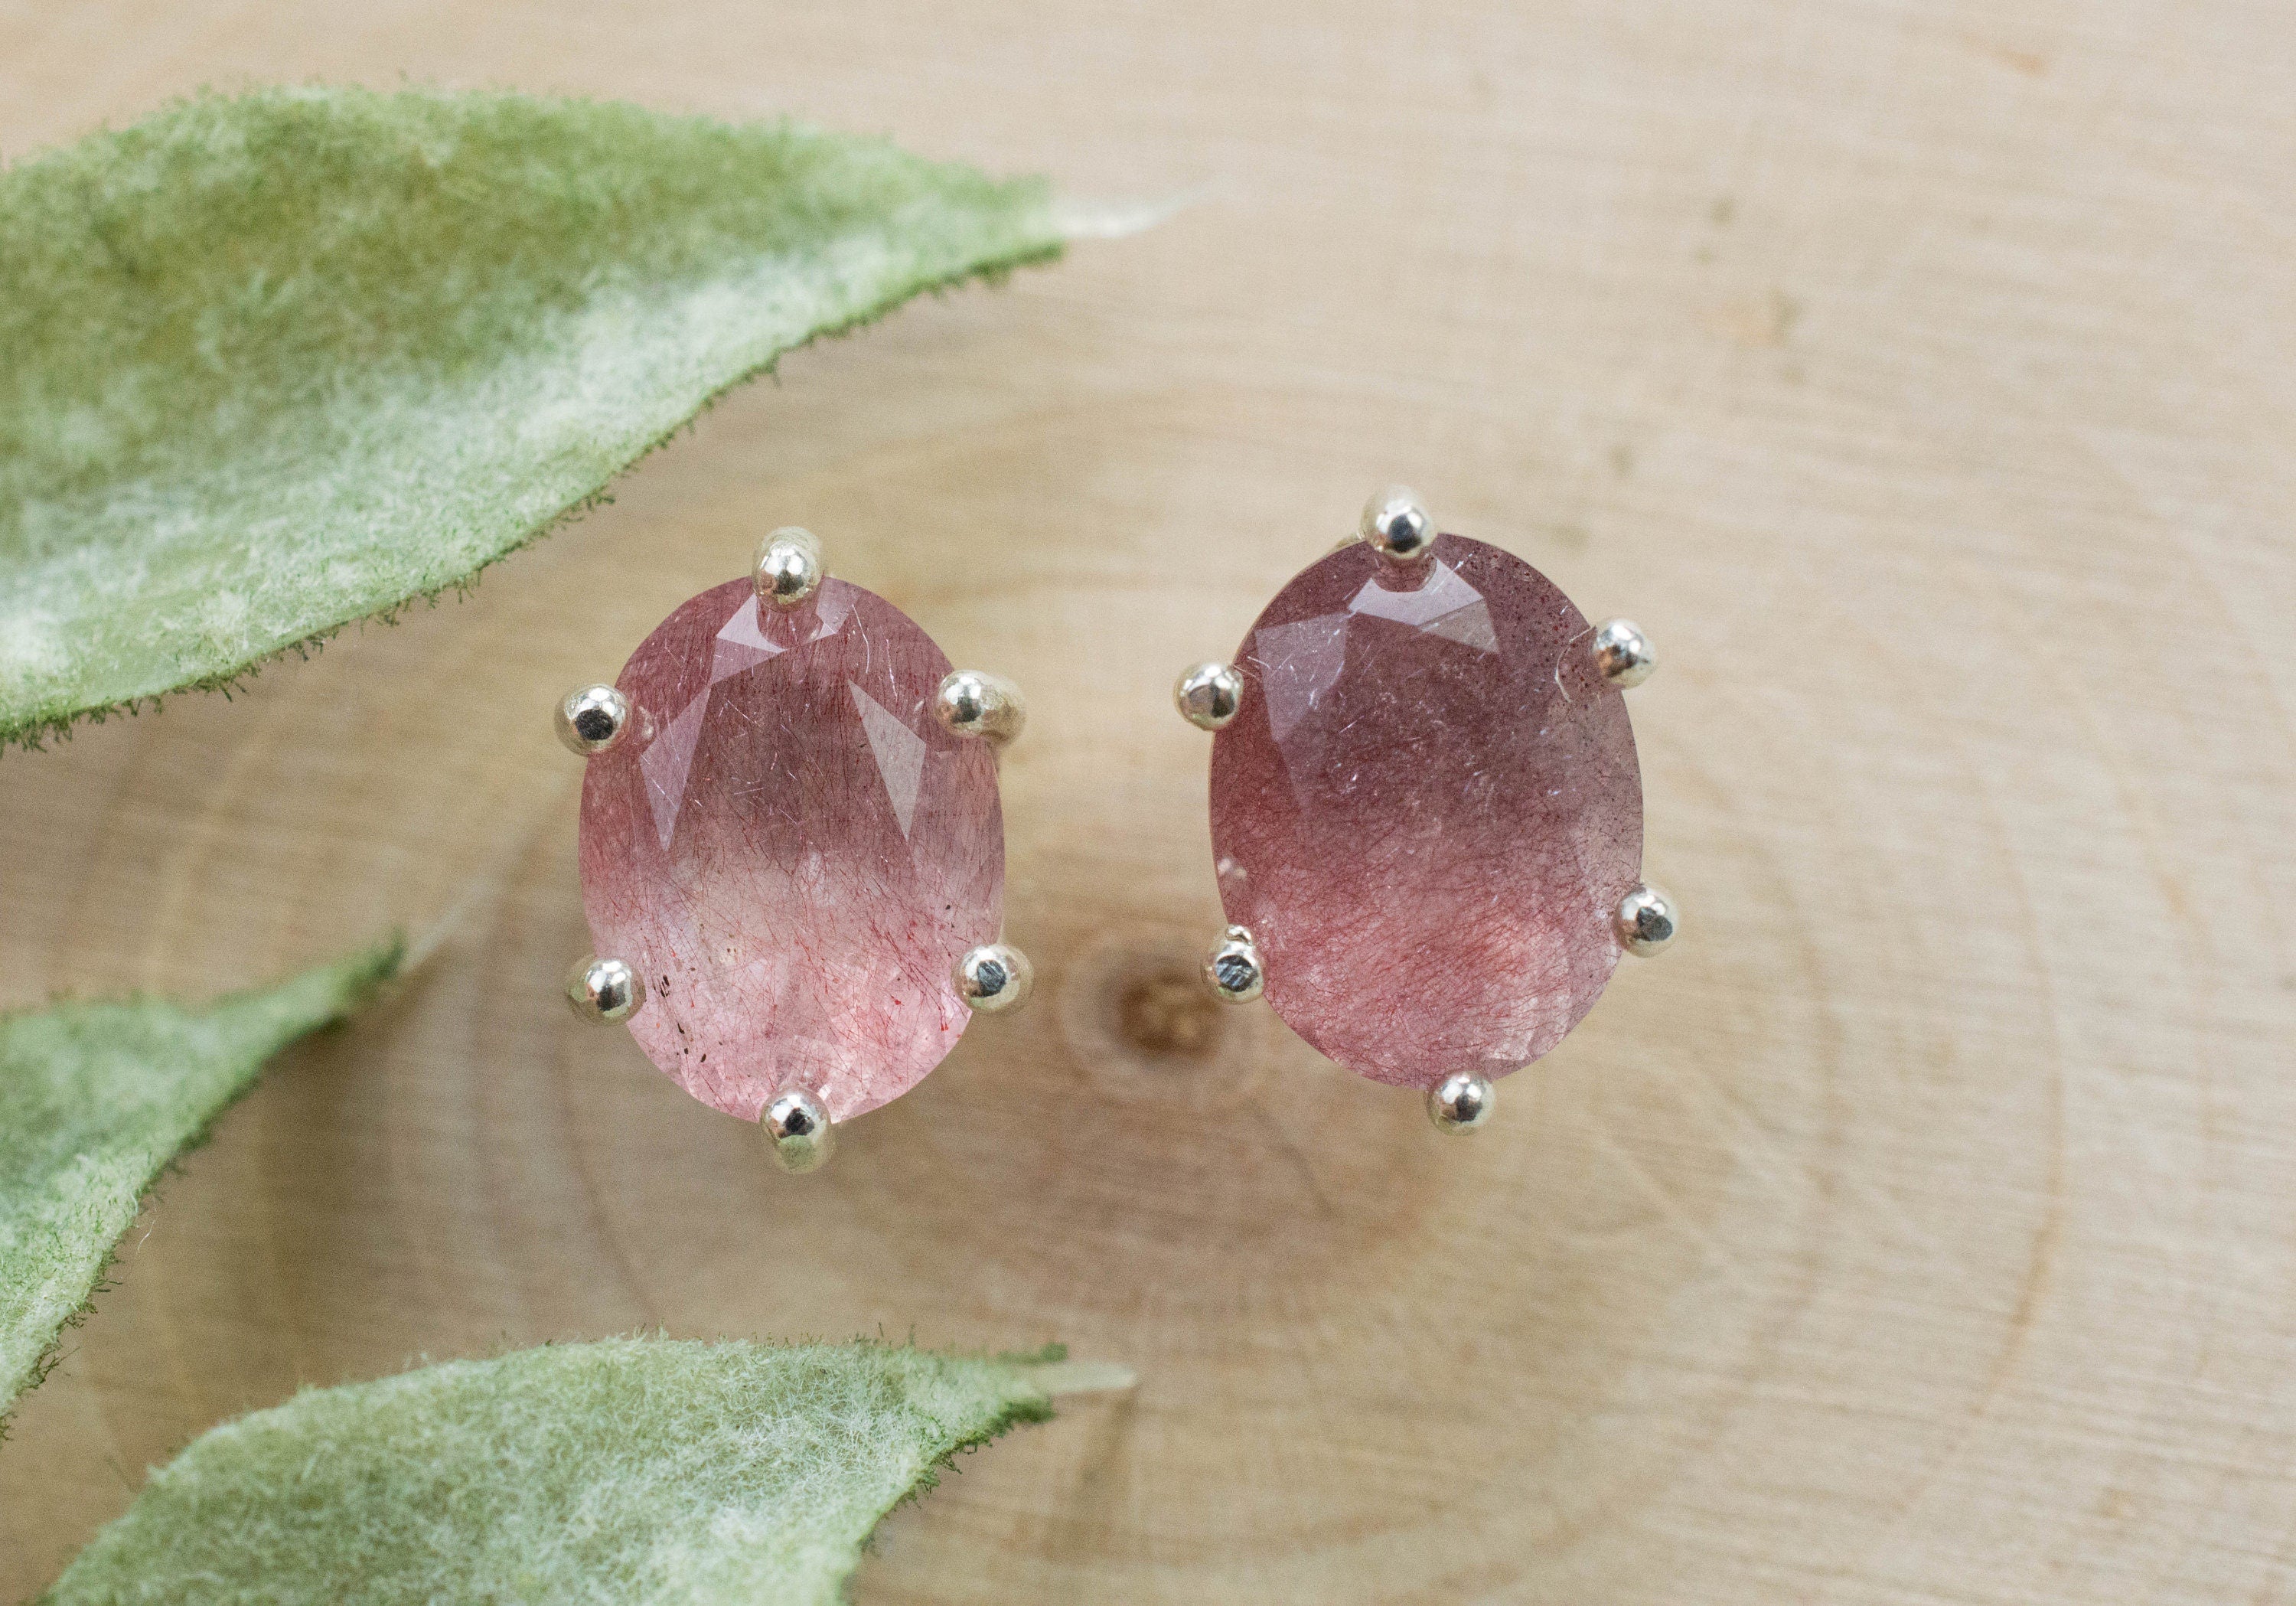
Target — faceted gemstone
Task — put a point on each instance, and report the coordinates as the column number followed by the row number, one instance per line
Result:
column 791, row 849
column 1426, row 812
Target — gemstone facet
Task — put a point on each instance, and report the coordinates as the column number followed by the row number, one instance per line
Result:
column 791, row 851
column 1427, row 811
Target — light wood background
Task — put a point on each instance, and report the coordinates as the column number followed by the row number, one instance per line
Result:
column 1921, row 373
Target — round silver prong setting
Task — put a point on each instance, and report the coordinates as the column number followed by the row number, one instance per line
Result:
column 1396, row 526
column 798, row 1130
column 995, row 977
column 1645, row 920
column 592, row 718
column 1460, row 1102
column 789, row 567
column 604, row 991
column 972, row 703
column 1233, row 968
column 1623, row 656
column 1209, row 694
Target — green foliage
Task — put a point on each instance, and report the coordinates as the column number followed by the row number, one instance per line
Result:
column 624, row 1471
column 95, row 1099
column 272, row 363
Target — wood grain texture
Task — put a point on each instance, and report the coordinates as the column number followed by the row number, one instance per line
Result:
column 1923, row 1229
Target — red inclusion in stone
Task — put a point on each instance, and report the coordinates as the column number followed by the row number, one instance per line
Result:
column 791, row 849
column 1426, row 812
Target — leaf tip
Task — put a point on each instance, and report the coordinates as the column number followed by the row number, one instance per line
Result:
column 1079, row 219
column 1063, row 1376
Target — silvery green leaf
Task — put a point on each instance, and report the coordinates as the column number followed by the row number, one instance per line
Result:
column 275, row 362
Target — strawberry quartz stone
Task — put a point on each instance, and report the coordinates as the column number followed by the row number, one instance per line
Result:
column 1426, row 811
column 791, row 849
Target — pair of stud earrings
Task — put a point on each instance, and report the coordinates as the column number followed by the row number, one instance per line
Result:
column 792, row 850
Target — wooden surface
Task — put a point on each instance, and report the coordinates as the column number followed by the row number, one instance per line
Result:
column 1923, row 1229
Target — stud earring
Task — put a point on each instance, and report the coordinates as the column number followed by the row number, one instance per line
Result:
column 1426, row 809
column 792, row 853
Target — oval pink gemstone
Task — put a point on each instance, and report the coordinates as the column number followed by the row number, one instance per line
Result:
column 1426, row 812
column 791, row 849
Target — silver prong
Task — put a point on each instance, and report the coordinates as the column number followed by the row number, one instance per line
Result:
column 1460, row 1102
column 1233, row 966
column 996, row 978
column 798, row 1130
column 789, row 566
column 592, row 718
column 972, row 703
column 1646, row 921
column 600, row 991
column 1623, row 656
column 1208, row 696
column 1395, row 522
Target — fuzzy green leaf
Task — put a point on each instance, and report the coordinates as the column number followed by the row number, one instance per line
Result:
column 275, row 362
column 633, row 1469
column 95, row 1099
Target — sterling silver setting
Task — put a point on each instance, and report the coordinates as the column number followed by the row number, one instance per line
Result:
column 1395, row 522
column 1233, row 968
column 994, row 978
column 592, row 718
column 605, row 991
column 1208, row 696
column 798, row 1131
column 1461, row 1103
column 1623, row 656
column 972, row 703
column 1646, row 921
column 788, row 569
